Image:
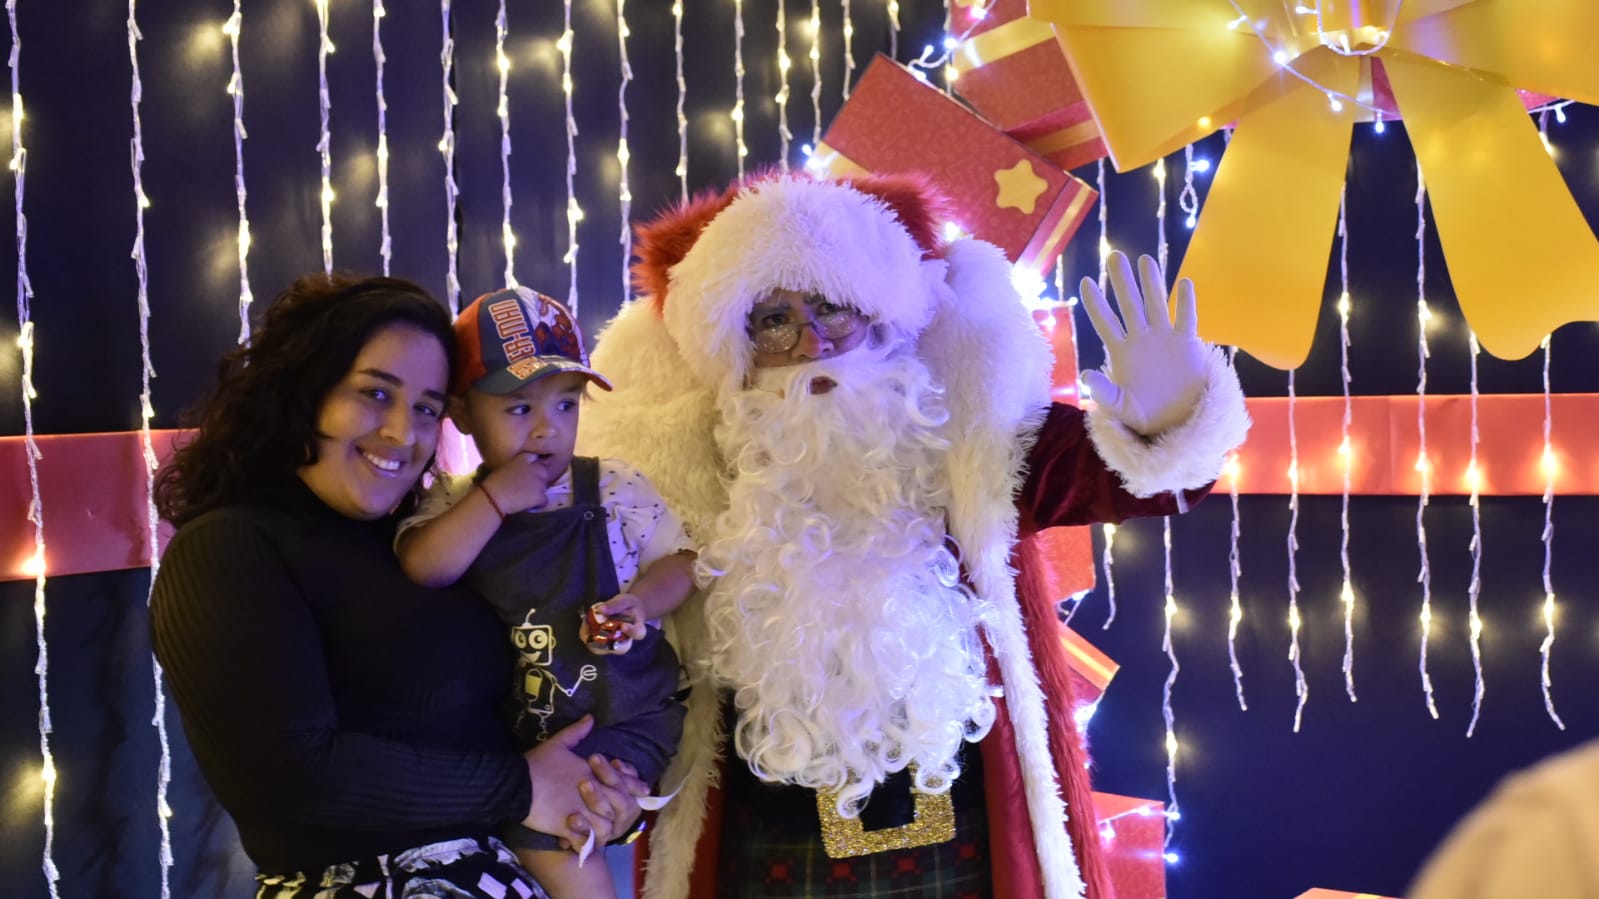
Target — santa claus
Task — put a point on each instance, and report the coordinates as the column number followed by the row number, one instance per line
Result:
column 853, row 416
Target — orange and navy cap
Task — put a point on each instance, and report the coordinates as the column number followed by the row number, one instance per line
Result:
column 513, row 336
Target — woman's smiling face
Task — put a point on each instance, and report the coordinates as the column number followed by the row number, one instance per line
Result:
column 378, row 427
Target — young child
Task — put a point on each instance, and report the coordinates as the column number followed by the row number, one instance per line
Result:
column 551, row 540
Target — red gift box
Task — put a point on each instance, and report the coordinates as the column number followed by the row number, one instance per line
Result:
column 1002, row 192
column 1091, row 669
column 1012, row 71
column 1132, row 832
column 1059, row 328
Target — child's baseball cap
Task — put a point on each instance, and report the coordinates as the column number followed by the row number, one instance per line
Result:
column 510, row 337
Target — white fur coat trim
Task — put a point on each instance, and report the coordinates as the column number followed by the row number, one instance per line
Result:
column 984, row 346
column 1185, row 457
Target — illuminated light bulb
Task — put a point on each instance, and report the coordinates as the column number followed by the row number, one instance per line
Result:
column 1560, row 114
column 953, row 232
column 1201, row 165
column 35, row 566
column 950, row 42
column 1423, row 312
column 1344, row 450
column 1191, row 221
column 1333, row 102
column 1347, row 594
column 1104, row 249
column 1237, row 613
column 1170, row 857
column 1379, row 126
column 1171, row 745
column 328, row 196
column 1476, row 626
column 1343, row 304
column 1548, row 463
column 951, row 73
column 1110, row 530
column 1422, row 465
column 1236, row 23
column 1233, row 468
column 1280, row 57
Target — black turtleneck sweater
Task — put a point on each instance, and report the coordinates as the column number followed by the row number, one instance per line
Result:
column 337, row 710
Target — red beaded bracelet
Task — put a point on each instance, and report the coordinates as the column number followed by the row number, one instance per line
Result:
column 490, row 497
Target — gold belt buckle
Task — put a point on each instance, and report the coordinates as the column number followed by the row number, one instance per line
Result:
column 842, row 837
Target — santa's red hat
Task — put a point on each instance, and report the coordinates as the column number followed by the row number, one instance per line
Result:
column 870, row 243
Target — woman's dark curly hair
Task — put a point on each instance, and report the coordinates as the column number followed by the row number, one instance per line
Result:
column 260, row 423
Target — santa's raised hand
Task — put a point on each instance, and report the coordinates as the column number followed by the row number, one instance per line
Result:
column 1155, row 370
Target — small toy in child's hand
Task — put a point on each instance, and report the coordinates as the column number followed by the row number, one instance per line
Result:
column 606, row 631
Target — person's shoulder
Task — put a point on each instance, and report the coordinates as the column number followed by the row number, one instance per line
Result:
column 620, row 472
column 226, row 528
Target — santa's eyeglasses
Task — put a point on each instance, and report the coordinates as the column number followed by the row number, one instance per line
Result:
column 778, row 330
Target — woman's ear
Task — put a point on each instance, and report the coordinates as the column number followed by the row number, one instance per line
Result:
column 460, row 412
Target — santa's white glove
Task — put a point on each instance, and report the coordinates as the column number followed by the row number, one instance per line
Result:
column 1154, row 371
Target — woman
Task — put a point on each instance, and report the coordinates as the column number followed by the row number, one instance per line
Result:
column 347, row 719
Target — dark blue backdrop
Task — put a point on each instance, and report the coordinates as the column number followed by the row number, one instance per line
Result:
column 1354, row 800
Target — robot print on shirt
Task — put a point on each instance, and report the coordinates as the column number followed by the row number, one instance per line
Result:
column 535, row 646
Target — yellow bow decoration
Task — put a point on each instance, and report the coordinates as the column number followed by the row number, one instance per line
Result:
column 1160, row 74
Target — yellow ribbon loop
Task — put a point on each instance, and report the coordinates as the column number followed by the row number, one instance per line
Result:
column 1159, row 74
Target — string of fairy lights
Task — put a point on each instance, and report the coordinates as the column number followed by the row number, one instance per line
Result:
column 1188, row 203
column 740, row 150
column 1301, row 686
column 386, row 248
column 574, row 213
column 1167, row 645
column 36, row 564
column 452, row 246
column 141, row 202
column 502, row 63
column 785, row 136
column 682, row 94
column 235, row 89
column 1346, row 593
column 1107, row 558
column 1423, row 466
column 624, row 190
column 324, row 143
column 1550, row 466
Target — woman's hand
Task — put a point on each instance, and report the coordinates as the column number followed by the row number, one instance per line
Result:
column 615, row 797
column 561, row 806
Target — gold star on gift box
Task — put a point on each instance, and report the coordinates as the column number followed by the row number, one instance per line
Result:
column 1019, row 187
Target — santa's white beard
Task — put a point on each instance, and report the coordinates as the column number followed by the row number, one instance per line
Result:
column 837, row 617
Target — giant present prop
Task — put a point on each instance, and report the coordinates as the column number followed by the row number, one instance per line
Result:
column 1001, row 191
column 1132, row 832
column 1159, row 74
column 1091, row 670
column 1013, row 73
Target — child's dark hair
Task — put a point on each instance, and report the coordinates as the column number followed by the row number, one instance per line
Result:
column 259, row 424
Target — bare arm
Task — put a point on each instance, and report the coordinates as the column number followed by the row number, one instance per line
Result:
column 663, row 586
column 437, row 552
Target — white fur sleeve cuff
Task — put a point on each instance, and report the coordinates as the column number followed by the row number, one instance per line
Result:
column 1184, row 457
